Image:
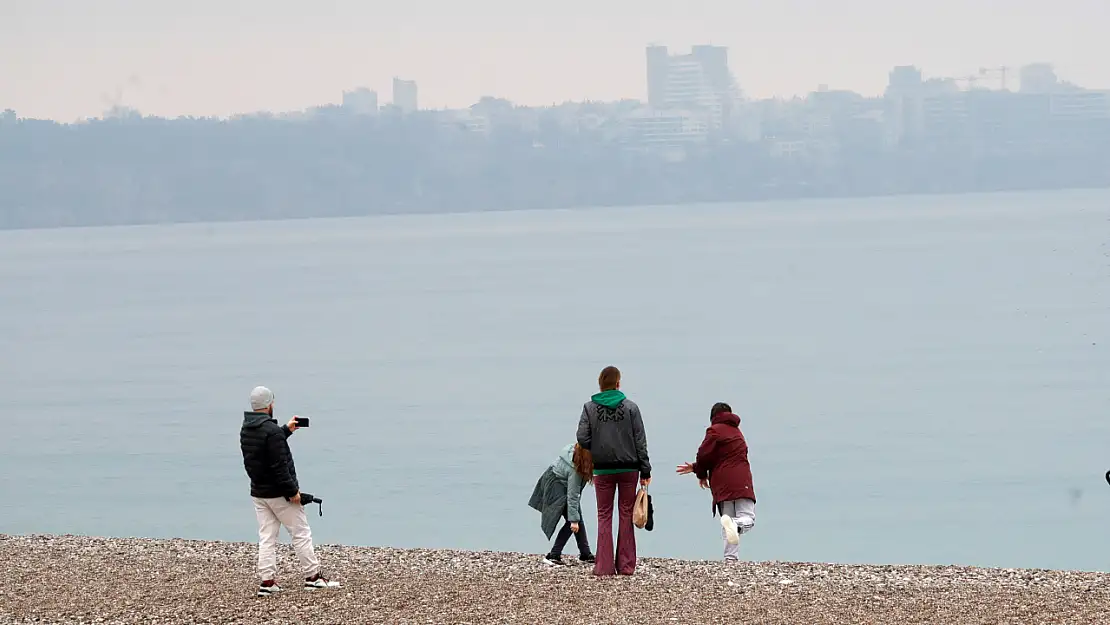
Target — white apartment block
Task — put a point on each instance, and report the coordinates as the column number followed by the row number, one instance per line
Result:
column 1079, row 105
column 698, row 81
column 666, row 126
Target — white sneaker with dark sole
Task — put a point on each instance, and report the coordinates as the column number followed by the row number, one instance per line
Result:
column 731, row 535
column 266, row 591
column 319, row 582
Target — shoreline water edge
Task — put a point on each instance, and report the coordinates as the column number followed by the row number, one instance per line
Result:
column 78, row 579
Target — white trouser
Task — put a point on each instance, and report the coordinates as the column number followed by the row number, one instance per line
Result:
column 272, row 514
column 742, row 511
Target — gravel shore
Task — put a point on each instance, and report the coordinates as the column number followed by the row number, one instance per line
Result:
column 69, row 579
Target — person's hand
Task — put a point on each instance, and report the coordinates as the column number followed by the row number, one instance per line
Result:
column 574, row 527
column 683, row 469
column 292, row 425
column 296, row 498
column 704, row 482
column 645, row 481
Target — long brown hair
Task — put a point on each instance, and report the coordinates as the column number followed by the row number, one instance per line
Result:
column 583, row 463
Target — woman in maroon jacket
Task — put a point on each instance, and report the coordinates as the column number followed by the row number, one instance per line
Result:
column 722, row 465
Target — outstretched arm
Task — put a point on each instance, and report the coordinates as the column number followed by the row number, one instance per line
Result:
column 290, row 427
column 706, row 456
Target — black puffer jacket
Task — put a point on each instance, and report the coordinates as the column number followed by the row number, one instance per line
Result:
column 266, row 456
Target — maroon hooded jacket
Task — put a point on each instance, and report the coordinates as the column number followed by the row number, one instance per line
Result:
column 723, row 459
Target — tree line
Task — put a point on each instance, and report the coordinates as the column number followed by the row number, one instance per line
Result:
column 149, row 170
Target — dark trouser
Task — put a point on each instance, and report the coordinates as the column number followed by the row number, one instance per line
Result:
column 564, row 535
column 622, row 487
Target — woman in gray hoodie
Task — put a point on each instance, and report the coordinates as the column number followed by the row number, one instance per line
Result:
column 558, row 495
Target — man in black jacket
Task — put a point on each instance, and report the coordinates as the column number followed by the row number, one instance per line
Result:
column 276, row 494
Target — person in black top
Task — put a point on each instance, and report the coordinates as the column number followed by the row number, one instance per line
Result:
column 276, row 494
column 612, row 429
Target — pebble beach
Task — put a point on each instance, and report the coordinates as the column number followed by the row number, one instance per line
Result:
column 71, row 579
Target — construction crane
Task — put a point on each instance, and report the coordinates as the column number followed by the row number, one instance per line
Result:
column 1001, row 71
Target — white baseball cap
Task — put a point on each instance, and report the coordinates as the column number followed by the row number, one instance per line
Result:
column 261, row 398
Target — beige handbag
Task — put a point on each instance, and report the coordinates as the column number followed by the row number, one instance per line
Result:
column 640, row 510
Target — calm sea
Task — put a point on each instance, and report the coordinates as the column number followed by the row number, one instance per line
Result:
column 920, row 379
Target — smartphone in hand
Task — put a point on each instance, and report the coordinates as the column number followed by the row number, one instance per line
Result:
column 302, row 422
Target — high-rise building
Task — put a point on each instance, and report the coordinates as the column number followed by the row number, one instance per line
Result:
column 902, row 118
column 404, row 95
column 904, row 79
column 699, row 81
column 714, row 63
column 658, row 63
column 361, row 101
column 1038, row 78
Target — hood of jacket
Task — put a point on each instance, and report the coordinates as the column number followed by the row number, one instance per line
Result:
column 256, row 419
column 567, row 455
column 726, row 418
column 609, row 399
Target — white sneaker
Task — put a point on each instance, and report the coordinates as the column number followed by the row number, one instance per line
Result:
column 731, row 535
column 267, row 590
column 318, row 582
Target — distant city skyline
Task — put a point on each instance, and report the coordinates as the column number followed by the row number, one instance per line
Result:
column 67, row 61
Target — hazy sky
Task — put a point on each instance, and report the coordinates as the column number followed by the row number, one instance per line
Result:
column 65, row 59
